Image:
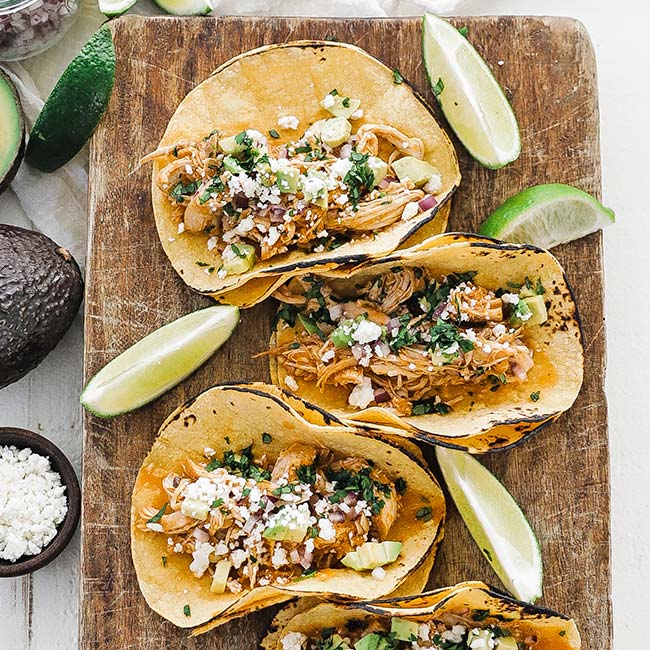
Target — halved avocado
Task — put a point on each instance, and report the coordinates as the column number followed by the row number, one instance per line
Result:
column 40, row 292
column 12, row 127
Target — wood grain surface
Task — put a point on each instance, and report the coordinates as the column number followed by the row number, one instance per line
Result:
column 560, row 476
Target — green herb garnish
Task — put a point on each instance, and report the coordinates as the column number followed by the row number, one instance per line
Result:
column 274, row 134
column 439, row 87
column 534, row 396
column 266, row 438
column 397, row 76
column 424, row 514
column 158, row 516
column 187, row 611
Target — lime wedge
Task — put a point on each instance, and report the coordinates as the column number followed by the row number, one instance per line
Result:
column 159, row 361
column 547, row 215
column 186, row 7
column 113, row 8
column 496, row 523
column 75, row 105
column 469, row 95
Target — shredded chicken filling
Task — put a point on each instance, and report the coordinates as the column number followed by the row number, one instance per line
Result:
column 404, row 338
column 449, row 631
column 303, row 195
column 237, row 510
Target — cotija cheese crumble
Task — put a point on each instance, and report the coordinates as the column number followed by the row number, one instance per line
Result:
column 32, row 503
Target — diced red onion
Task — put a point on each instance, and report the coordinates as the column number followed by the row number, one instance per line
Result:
column 428, row 202
column 350, row 499
column 392, row 324
column 336, row 311
column 357, row 351
column 250, row 524
column 294, row 556
column 382, row 395
column 282, row 152
column 201, row 535
column 241, row 201
column 336, row 517
column 437, row 312
column 386, row 181
column 304, row 562
column 384, row 348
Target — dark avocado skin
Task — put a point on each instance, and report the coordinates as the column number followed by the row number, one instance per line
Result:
column 41, row 289
column 20, row 151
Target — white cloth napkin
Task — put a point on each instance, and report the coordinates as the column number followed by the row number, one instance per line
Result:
column 56, row 203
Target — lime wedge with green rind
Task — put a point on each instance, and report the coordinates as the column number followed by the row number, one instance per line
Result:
column 496, row 522
column 547, row 215
column 113, row 8
column 159, row 361
column 75, row 105
column 186, row 7
column 469, row 95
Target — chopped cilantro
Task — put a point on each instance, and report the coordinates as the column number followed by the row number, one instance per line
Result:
column 539, row 287
column 480, row 614
column 397, row 76
column 216, row 503
column 274, row 134
column 303, row 149
column 266, row 438
column 438, row 87
column 360, row 178
column 213, row 132
column 444, row 335
column 212, row 465
column 306, row 474
column 200, row 263
column 181, row 190
column 230, row 210
column 424, row 514
column 346, row 102
column 288, row 314
column 463, row 30
column 400, row 486
column 333, row 92
column 237, row 251
column 163, row 558
column 158, row 516
column 424, row 407
column 359, row 482
column 534, row 396
column 187, row 611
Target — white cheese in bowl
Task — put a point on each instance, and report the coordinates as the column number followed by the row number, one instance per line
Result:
column 32, row 503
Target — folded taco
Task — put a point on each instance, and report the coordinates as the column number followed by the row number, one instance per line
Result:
column 469, row 616
column 243, row 502
column 306, row 154
column 462, row 341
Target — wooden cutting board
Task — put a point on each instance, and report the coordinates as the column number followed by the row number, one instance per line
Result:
column 560, row 476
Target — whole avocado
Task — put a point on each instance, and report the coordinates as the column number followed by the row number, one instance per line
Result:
column 41, row 289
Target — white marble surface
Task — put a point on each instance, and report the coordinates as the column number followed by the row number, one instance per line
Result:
column 40, row 612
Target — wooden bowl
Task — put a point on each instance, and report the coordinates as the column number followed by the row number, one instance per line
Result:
column 21, row 438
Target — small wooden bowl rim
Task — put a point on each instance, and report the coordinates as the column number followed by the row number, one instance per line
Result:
column 22, row 438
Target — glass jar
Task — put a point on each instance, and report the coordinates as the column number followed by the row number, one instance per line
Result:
column 28, row 27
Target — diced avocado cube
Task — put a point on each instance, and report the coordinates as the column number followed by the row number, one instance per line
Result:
column 506, row 643
column 404, row 630
column 525, row 292
column 220, row 577
column 372, row 555
column 231, row 165
column 337, row 643
column 340, row 106
column 521, row 314
column 288, row 180
column 335, row 131
column 373, row 642
column 485, row 635
column 230, row 145
column 379, row 168
column 282, row 533
column 317, row 128
column 243, row 261
column 537, row 307
column 416, row 170
column 342, row 335
column 264, row 174
column 195, row 509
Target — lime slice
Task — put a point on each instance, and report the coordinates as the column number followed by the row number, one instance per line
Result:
column 496, row 523
column 547, row 215
column 75, row 105
column 469, row 95
column 113, row 8
column 159, row 361
column 186, row 7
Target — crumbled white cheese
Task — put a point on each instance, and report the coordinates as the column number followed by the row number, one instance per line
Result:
column 328, row 101
column 293, row 641
column 357, row 115
column 201, row 559
column 326, row 530
column 342, row 199
column 424, row 632
column 378, row 573
column 292, row 516
column 499, row 329
column 328, row 356
column 410, row 210
column 291, row 383
column 181, row 227
column 511, row 298
column 366, row 332
column 279, row 557
column 362, row 394
column 288, row 122
column 32, row 503
column 341, row 167
column 456, row 634
column 433, row 185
